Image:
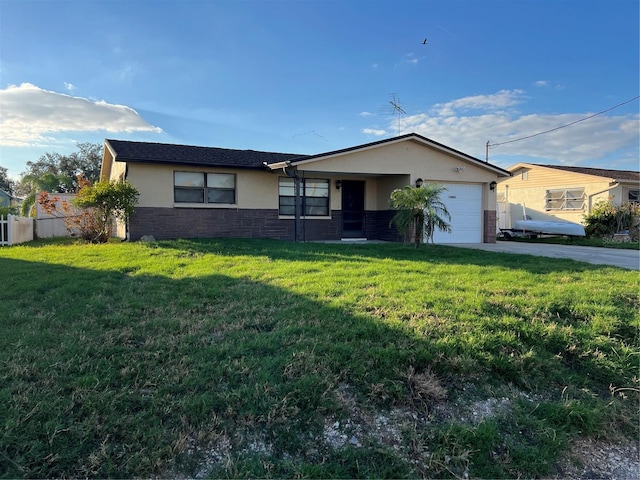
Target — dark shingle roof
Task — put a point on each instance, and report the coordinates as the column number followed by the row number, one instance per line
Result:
column 166, row 153
column 600, row 172
column 143, row 152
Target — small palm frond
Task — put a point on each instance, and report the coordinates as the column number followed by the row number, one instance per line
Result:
column 420, row 208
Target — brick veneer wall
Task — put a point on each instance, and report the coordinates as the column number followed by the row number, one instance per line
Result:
column 489, row 234
column 377, row 226
column 169, row 223
column 321, row 229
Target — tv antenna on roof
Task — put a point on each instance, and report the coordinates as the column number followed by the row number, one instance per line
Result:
column 396, row 109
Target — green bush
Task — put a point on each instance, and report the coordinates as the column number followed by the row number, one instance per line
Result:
column 90, row 214
column 4, row 211
column 106, row 200
column 608, row 219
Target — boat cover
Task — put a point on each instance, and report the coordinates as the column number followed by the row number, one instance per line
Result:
column 551, row 228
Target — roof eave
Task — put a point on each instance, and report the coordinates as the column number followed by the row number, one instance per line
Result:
column 187, row 163
column 279, row 165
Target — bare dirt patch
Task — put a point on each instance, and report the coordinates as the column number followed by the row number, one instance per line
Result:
column 592, row 459
column 396, row 429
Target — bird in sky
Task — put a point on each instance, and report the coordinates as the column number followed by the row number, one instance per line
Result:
column 424, row 42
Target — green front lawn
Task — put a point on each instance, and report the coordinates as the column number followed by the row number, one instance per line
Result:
column 245, row 358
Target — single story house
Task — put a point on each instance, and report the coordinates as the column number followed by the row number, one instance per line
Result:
column 557, row 192
column 191, row 191
column 8, row 200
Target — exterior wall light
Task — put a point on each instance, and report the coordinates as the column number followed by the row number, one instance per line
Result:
column 492, row 185
column 419, row 183
column 338, row 184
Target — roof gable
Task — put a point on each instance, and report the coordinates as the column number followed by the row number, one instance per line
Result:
column 166, row 153
column 413, row 137
column 8, row 195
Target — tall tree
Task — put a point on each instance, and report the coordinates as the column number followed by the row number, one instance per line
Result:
column 85, row 162
column 55, row 173
column 6, row 183
column 419, row 209
column 34, row 184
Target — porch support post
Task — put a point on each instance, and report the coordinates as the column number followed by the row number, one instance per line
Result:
column 298, row 206
column 291, row 173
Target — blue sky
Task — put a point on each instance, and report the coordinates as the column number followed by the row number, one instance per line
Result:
column 315, row 76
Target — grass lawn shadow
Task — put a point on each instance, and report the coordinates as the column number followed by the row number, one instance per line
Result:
column 238, row 358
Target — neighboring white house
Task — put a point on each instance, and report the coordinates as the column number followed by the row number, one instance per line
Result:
column 557, row 192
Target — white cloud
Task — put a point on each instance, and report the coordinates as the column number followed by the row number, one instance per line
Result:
column 29, row 114
column 547, row 84
column 452, row 124
column 366, row 114
column 69, row 86
column 410, row 59
column 493, row 102
column 374, row 131
column 126, row 73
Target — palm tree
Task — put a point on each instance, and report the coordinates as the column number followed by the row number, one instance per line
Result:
column 34, row 184
column 421, row 210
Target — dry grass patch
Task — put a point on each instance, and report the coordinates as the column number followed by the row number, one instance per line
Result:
column 425, row 388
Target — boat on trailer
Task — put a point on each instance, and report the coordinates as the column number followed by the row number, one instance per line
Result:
column 532, row 228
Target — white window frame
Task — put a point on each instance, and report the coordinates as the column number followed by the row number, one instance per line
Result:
column 571, row 199
column 205, row 186
column 636, row 193
column 311, row 189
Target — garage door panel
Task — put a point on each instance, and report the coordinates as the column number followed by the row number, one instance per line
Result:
column 464, row 203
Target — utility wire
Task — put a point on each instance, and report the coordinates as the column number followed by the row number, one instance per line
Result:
column 562, row 126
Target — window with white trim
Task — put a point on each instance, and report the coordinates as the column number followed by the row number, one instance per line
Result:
column 314, row 193
column 200, row 187
column 634, row 195
column 565, row 199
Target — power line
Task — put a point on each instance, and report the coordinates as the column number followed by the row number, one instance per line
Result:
column 562, row 126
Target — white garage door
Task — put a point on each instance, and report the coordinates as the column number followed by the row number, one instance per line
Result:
column 464, row 203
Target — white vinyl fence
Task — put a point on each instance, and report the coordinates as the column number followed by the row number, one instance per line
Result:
column 15, row 230
column 50, row 225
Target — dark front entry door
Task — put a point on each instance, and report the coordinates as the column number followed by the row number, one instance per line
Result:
column 352, row 209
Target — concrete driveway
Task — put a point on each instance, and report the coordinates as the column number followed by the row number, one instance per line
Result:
column 629, row 259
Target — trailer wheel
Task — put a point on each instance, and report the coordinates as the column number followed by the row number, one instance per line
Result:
column 507, row 236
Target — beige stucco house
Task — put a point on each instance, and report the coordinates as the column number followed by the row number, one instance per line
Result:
column 189, row 191
column 556, row 192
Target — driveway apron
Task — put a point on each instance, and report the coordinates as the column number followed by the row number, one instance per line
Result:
column 629, row 259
